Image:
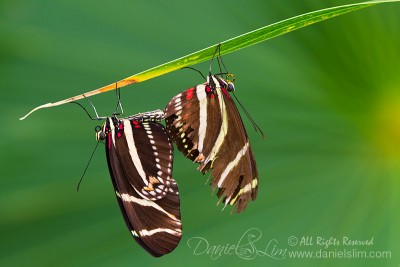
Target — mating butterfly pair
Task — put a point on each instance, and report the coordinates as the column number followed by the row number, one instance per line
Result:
column 206, row 126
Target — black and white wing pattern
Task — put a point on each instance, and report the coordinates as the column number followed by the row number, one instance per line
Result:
column 140, row 157
column 206, row 126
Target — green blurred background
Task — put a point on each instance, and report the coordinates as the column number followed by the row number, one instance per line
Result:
column 327, row 97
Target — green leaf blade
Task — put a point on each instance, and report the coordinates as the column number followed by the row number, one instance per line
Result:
column 228, row 46
column 256, row 36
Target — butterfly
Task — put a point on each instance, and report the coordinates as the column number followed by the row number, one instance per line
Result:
column 206, row 126
column 140, row 160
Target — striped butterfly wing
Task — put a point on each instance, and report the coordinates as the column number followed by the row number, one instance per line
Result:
column 206, row 125
column 139, row 156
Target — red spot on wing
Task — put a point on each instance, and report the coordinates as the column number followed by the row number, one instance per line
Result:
column 120, row 129
column 225, row 92
column 189, row 93
column 136, row 124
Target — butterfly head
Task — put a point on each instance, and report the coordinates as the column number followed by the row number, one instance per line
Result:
column 230, row 87
column 108, row 125
column 101, row 132
column 230, row 78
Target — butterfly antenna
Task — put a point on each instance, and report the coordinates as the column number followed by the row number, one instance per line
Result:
column 87, row 166
column 94, row 108
column 256, row 127
column 202, row 75
column 87, row 112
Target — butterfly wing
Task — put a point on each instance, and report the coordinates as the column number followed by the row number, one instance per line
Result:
column 139, row 156
column 206, row 126
column 234, row 169
column 191, row 119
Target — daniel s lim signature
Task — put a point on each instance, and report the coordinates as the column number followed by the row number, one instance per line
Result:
column 248, row 247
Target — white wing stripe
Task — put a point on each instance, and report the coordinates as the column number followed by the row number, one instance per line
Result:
column 233, row 163
column 148, row 203
column 133, row 151
column 202, row 98
column 224, row 126
column 145, row 232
